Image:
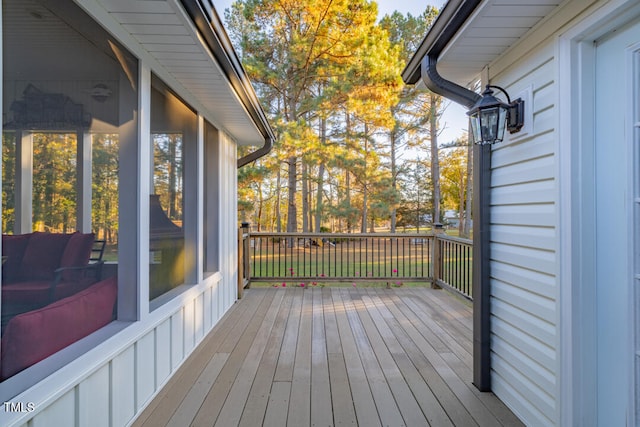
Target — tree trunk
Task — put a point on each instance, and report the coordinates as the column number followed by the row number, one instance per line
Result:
column 392, row 137
column 305, row 199
column 363, row 227
column 260, row 205
column 292, row 211
column 461, row 204
column 323, row 141
column 278, row 214
column 347, row 179
column 172, row 177
column 466, row 231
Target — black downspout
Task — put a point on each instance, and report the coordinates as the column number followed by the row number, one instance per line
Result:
column 438, row 84
column 481, row 284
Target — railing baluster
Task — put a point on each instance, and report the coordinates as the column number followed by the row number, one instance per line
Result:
column 277, row 256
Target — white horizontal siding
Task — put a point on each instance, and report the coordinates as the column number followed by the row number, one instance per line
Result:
column 528, row 192
column 540, row 400
column 533, row 282
column 541, row 376
column 523, row 249
column 523, row 301
column 534, row 349
column 515, row 393
column 542, row 145
column 526, row 236
column 537, row 328
column 538, row 169
column 529, row 258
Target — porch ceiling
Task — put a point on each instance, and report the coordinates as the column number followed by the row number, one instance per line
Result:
column 166, row 33
column 492, row 28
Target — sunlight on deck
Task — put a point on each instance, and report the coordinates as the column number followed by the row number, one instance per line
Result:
column 333, row 356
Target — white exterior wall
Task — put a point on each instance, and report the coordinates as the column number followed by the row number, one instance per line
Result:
column 113, row 382
column 525, row 236
column 523, row 255
column 228, row 219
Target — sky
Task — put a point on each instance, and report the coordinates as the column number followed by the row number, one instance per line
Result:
column 454, row 120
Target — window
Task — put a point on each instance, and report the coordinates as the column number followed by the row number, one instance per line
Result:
column 211, row 213
column 174, row 136
column 70, row 106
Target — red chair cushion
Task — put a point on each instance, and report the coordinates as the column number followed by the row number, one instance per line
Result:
column 13, row 247
column 43, row 255
column 33, row 336
column 76, row 254
column 35, row 293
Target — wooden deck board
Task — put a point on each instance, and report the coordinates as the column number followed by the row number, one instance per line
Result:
column 365, row 409
column 217, row 396
column 383, row 397
column 162, row 407
column 321, row 414
column 384, row 343
column 258, row 399
column 300, row 401
column 231, row 412
column 332, row 357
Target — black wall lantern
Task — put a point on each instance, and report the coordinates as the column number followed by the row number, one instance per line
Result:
column 490, row 116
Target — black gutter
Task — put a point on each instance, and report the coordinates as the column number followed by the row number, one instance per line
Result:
column 211, row 29
column 423, row 66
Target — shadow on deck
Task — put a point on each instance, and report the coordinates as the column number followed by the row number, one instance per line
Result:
column 333, row 356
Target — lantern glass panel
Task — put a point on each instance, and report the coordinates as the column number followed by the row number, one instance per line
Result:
column 492, row 124
column 489, row 124
column 475, row 128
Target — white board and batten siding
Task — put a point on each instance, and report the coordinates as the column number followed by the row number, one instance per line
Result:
column 113, row 382
column 524, row 330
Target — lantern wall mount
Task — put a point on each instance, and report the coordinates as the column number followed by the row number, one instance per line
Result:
column 490, row 117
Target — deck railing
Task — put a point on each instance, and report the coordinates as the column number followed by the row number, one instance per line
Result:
column 312, row 259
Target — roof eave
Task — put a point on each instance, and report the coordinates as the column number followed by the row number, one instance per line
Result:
column 211, row 29
column 422, row 66
column 452, row 16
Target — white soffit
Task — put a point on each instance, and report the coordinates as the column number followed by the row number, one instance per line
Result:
column 492, row 29
column 167, row 34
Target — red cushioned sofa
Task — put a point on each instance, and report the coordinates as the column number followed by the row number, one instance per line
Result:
column 35, row 335
column 39, row 268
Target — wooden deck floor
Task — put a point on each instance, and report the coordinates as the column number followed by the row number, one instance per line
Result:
column 332, row 357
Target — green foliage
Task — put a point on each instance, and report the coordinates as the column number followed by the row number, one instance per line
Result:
column 54, row 182
column 328, row 76
column 8, row 182
column 104, row 200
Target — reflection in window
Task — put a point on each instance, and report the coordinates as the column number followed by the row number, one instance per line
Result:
column 211, row 217
column 167, row 234
column 54, row 182
column 8, row 182
column 66, row 112
column 167, row 174
column 104, row 199
column 173, row 130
